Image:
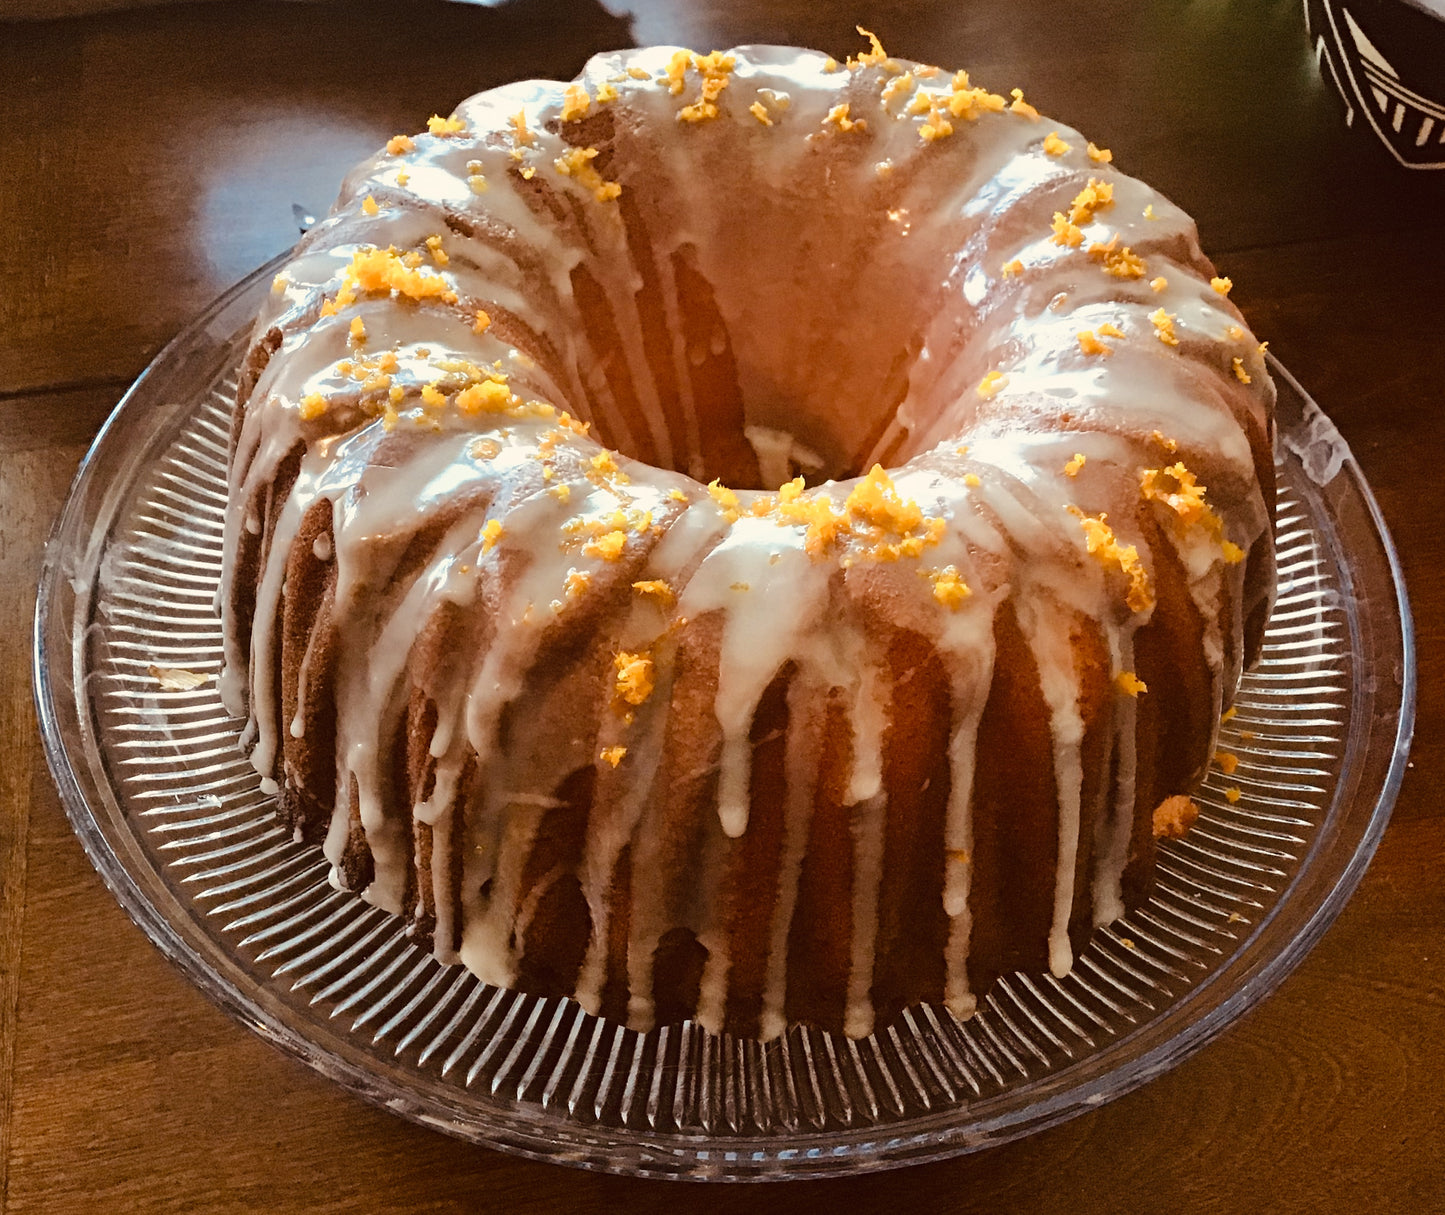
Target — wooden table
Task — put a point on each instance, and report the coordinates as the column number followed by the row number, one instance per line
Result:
column 150, row 159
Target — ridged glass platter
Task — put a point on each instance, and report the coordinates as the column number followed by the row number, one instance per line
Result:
column 175, row 821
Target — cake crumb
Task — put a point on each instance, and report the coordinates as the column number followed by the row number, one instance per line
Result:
column 177, row 679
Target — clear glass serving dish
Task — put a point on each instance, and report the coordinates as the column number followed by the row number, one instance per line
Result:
column 174, row 820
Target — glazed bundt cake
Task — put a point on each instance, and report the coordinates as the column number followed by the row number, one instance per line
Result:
column 744, row 537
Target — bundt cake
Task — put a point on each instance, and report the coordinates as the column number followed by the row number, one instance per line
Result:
column 746, row 538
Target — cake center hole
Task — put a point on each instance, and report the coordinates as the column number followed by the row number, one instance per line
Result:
column 753, row 384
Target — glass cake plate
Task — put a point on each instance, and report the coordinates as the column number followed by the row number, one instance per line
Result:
column 174, row 819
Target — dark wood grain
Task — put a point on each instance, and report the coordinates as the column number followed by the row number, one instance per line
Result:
column 32, row 487
column 151, row 158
